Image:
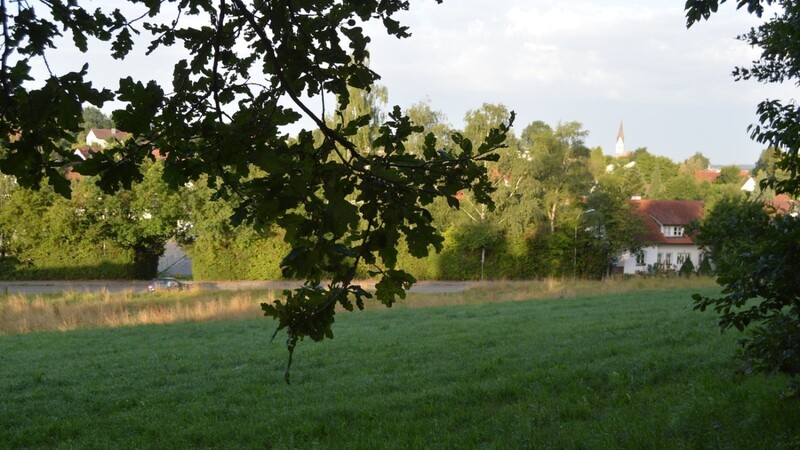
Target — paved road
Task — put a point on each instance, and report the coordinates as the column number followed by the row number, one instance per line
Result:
column 41, row 287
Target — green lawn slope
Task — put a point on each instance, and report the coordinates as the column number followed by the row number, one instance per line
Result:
column 633, row 370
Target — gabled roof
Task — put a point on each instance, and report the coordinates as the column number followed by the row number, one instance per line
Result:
column 749, row 185
column 84, row 151
column 707, row 175
column 106, row 133
column 655, row 213
column 671, row 212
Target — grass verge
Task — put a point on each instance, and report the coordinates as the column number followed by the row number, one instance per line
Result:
column 78, row 310
column 630, row 370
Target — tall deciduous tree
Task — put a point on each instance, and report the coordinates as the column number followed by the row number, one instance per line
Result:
column 480, row 232
column 21, row 220
column 94, row 118
column 694, row 163
column 647, row 162
column 140, row 219
column 249, row 67
column 432, row 121
column 597, row 163
column 7, row 188
column 766, row 165
column 559, row 165
column 367, row 106
column 610, row 231
column 757, row 254
column 730, row 175
column 757, row 257
column 656, row 189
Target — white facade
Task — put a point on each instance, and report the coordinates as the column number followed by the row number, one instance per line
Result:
column 668, row 256
column 98, row 137
column 92, row 140
column 750, row 185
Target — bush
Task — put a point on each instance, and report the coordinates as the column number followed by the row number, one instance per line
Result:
column 757, row 256
column 705, row 268
column 79, row 260
column 244, row 257
column 687, row 268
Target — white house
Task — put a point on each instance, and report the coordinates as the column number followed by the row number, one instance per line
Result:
column 665, row 244
column 100, row 136
column 749, row 185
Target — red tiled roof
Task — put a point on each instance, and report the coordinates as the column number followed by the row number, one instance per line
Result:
column 85, row 151
column 782, row 203
column 655, row 213
column 706, row 175
column 158, row 154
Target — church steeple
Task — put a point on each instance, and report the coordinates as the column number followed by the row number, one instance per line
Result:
column 620, row 148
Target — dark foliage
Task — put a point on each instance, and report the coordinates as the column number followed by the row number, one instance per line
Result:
column 757, row 256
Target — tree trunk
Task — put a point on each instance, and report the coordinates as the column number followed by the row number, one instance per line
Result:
column 551, row 216
column 483, row 260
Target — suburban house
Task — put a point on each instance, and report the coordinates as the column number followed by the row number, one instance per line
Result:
column 100, row 136
column 784, row 204
column 665, row 243
column 749, row 183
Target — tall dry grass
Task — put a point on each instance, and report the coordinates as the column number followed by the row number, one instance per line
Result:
column 550, row 288
column 72, row 310
column 25, row 314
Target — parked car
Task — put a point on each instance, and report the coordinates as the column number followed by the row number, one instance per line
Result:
column 165, row 284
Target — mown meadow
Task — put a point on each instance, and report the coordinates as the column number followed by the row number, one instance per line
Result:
column 536, row 365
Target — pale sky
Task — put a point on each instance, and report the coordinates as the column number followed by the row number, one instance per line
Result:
column 597, row 62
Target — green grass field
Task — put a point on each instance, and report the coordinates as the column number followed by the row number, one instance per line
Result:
column 629, row 370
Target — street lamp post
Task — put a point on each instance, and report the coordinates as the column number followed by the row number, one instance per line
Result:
column 575, row 243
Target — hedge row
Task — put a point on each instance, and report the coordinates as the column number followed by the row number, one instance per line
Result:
column 75, row 261
column 253, row 258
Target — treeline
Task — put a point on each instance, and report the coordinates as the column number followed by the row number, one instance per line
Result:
column 561, row 209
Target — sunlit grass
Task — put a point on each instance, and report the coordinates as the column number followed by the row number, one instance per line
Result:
column 630, row 370
column 75, row 310
column 502, row 291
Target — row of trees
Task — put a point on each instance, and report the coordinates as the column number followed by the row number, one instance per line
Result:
column 560, row 209
column 92, row 234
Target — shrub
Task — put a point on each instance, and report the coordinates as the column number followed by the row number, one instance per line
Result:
column 687, row 268
column 757, row 256
column 705, row 268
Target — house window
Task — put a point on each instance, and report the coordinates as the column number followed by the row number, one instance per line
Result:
column 640, row 258
column 682, row 258
column 668, row 260
column 659, row 258
column 673, row 231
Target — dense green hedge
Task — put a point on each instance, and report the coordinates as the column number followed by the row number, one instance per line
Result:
column 249, row 257
column 245, row 257
column 76, row 261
